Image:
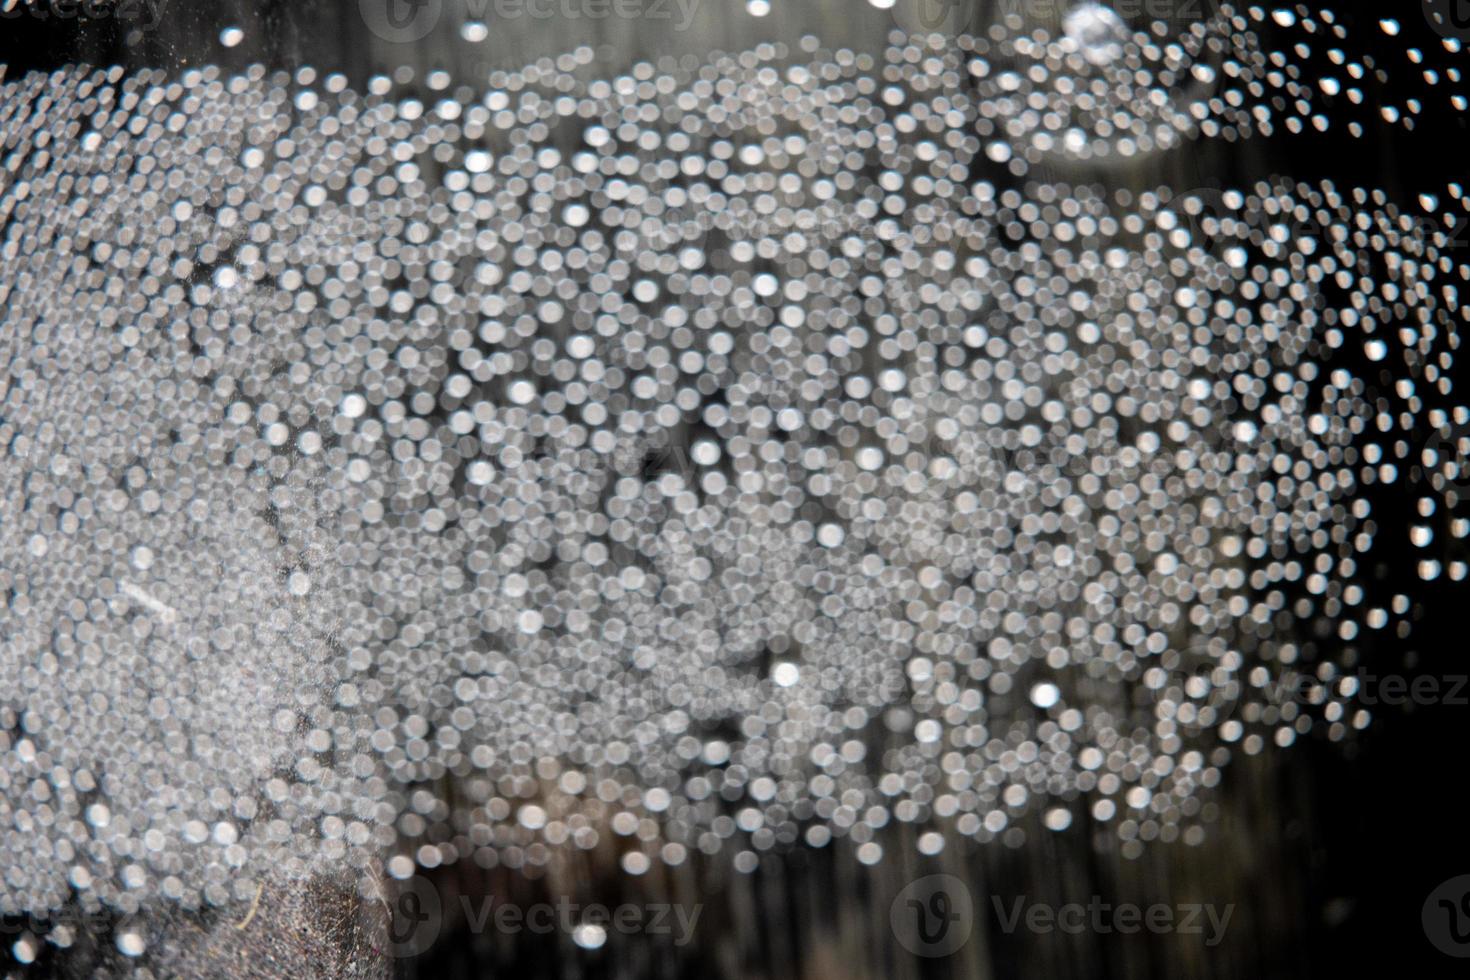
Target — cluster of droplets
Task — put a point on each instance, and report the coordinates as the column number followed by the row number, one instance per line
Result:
column 1098, row 91
column 1093, row 88
column 718, row 455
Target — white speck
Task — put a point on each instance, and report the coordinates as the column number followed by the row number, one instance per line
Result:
column 522, row 392
column 1058, row 818
column 480, row 473
column 130, row 944
column 1097, row 31
column 786, row 674
column 164, row 611
column 231, row 36
column 589, row 935
column 1045, row 695
column 705, row 452
column 25, row 949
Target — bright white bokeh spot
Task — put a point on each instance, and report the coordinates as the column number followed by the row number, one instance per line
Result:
column 589, row 935
column 1058, row 818
column 1097, row 31
column 1045, row 695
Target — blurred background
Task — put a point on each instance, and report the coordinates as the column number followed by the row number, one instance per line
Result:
column 1325, row 853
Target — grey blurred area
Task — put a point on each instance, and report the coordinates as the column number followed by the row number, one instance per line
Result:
column 1281, row 827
